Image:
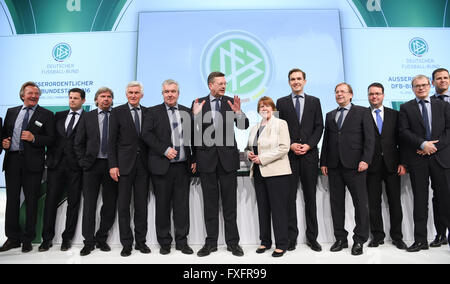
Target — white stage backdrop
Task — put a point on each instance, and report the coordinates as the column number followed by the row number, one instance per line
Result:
column 247, row 216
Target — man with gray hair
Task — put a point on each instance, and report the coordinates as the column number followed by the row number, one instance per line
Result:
column 167, row 132
column 425, row 129
column 127, row 157
column 91, row 148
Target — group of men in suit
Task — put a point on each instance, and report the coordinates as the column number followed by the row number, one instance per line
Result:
column 123, row 148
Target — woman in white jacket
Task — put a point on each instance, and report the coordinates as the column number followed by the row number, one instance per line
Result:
column 268, row 147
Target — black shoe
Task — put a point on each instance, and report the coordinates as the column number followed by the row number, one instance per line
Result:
column 184, row 249
column 262, row 249
column 278, row 254
column 338, row 246
column 27, row 247
column 10, row 244
column 375, row 243
column 86, row 250
column 143, row 248
column 126, row 251
column 291, row 246
column 357, row 249
column 399, row 244
column 314, row 245
column 236, row 250
column 438, row 241
column 45, row 246
column 417, row 246
column 206, row 250
column 165, row 249
column 66, row 245
column 103, row 246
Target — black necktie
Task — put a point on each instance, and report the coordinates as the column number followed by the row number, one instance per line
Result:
column 104, row 148
column 340, row 118
column 71, row 123
column 426, row 120
column 137, row 122
column 297, row 106
column 176, row 133
column 24, row 126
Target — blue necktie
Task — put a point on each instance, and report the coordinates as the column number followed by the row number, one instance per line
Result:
column 24, row 126
column 137, row 123
column 176, row 133
column 297, row 107
column 340, row 118
column 379, row 120
column 217, row 109
column 426, row 120
column 104, row 147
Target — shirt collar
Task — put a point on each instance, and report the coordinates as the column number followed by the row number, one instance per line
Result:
column 381, row 108
column 427, row 99
column 31, row 108
column 132, row 107
column 168, row 107
column 78, row 111
column 99, row 110
column 444, row 94
column 302, row 95
column 347, row 107
column 211, row 98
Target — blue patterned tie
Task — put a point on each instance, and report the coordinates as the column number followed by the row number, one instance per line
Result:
column 426, row 120
column 137, row 123
column 176, row 133
column 297, row 107
column 24, row 126
column 340, row 118
column 379, row 120
column 104, row 148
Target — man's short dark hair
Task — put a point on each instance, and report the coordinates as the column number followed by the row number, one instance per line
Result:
column 80, row 91
column 296, row 70
column 213, row 75
column 376, row 84
column 438, row 70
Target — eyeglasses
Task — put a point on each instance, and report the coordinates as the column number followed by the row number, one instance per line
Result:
column 421, row 86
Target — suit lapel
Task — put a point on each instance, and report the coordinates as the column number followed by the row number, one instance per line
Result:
column 418, row 113
column 332, row 119
column 61, row 127
column 34, row 117
column 348, row 117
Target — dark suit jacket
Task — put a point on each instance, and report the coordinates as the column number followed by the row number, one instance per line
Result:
column 413, row 133
column 63, row 146
column 124, row 141
column 353, row 143
column 309, row 131
column 44, row 136
column 157, row 134
column 87, row 139
column 208, row 156
column 387, row 144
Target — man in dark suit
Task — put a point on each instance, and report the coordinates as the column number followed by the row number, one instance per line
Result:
column 385, row 167
column 217, row 159
column 441, row 82
column 303, row 114
column 63, row 172
column 347, row 151
column 425, row 130
column 28, row 130
column 91, row 147
column 127, row 157
column 167, row 132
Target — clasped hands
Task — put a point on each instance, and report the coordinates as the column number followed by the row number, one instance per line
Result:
column 429, row 148
column 254, row 158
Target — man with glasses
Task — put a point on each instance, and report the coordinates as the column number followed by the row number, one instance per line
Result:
column 425, row 130
column 385, row 167
column 347, row 151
